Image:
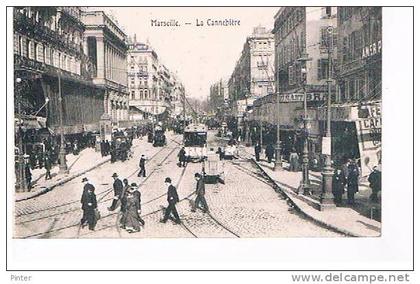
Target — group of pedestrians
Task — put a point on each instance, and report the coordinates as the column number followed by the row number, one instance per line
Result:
column 347, row 179
column 269, row 152
column 127, row 198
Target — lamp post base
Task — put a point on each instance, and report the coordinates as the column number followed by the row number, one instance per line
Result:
column 278, row 162
column 63, row 169
column 327, row 198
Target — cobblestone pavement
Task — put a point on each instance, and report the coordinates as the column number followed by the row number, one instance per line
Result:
column 61, row 207
column 245, row 206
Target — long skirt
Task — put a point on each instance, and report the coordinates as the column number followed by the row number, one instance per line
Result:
column 131, row 219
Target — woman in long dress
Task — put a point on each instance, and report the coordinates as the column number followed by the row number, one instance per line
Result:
column 131, row 217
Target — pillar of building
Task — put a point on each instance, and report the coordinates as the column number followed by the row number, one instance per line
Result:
column 100, row 48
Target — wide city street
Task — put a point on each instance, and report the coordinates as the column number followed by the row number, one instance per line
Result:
column 246, row 206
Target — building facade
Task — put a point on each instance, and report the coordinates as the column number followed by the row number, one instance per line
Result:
column 302, row 36
column 253, row 75
column 356, row 112
column 218, row 99
column 154, row 90
column 49, row 58
column 106, row 46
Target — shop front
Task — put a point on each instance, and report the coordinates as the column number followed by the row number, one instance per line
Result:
column 356, row 133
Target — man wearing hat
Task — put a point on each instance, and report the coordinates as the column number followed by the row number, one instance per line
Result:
column 142, row 165
column 375, row 183
column 118, row 190
column 172, row 200
column 200, row 191
column 87, row 187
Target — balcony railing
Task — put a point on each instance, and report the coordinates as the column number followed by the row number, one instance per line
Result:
column 37, row 30
column 24, row 63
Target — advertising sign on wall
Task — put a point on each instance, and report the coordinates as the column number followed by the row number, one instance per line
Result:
column 369, row 135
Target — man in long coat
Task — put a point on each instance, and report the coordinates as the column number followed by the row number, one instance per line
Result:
column 48, row 165
column 257, row 150
column 375, row 183
column 118, row 190
column 200, row 191
column 173, row 199
column 352, row 182
column 142, row 165
column 269, row 152
column 181, row 157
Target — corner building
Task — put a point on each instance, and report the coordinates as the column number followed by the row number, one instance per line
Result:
column 106, row 46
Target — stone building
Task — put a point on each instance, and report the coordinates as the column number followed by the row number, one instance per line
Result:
column 253, row 75
column 356, row 112
column 48, row 54
column 299, row 32
column 152, row 86
column 106, row 46
column 219, row 97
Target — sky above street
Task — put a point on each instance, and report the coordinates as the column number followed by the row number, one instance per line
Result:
column 200, row 55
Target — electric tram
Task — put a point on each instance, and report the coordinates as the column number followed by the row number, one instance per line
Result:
column 195, row 142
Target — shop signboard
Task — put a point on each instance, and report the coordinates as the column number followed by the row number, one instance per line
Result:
column 299, row 97
column 369, row 134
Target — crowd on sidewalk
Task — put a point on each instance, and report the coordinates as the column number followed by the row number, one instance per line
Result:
column 346, row 178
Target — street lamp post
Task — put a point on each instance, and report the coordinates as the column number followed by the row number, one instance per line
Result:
column 305, row 183
column 327, row 199
column 62, row 153
column 278, row 161
column 23, row 187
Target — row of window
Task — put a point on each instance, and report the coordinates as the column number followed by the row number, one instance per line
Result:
column 139, row 59
column 290, row 51
column 353, row 44
column 328, row 36
column 141, row 82
column 262, row 44
column 53, row 23
column 295, row 17
column 360, row 87
column 43, row 53
column 142, row 94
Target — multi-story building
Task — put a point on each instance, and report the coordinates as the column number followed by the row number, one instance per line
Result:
column 49, row 58
column 253, row 76
column 218, row 99
column 359, row 53
column 151, row 84
column 177, row 97
column 356, row 112
column 299, row 33
column 106, row 45
column 142, row 64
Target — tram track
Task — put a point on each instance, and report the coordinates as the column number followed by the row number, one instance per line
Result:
column 100, row 200
column 106, row 191
column 269, row 181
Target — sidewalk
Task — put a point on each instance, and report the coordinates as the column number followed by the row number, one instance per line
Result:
column 86, row 161
column 353, row 221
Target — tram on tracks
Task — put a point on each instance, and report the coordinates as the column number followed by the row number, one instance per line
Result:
column 195, row 142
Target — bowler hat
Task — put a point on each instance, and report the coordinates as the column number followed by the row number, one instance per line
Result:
column 114, row 175
column 197, row 175
column 168, row 180
column 84, row 179
column 134, row 186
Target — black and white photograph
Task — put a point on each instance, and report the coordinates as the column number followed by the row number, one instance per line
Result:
column 215, row 123
column 111, row 142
